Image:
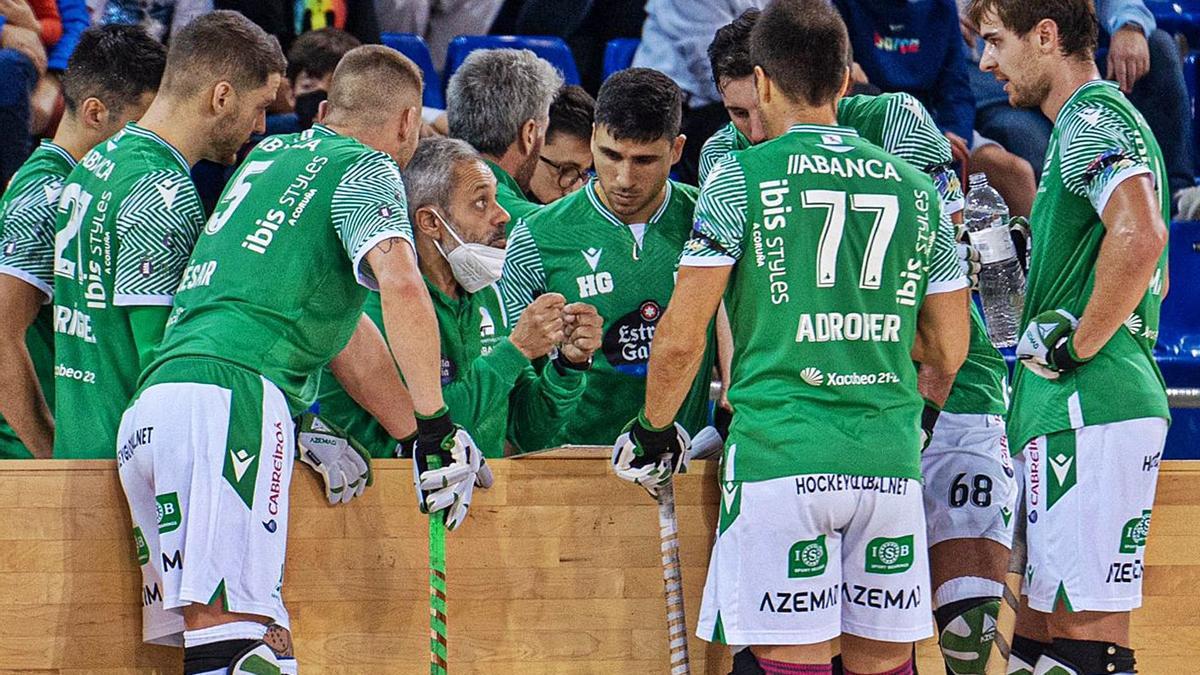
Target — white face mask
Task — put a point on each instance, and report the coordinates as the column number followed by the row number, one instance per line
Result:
column 475, row 266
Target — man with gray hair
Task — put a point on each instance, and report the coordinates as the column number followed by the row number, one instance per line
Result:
column 488, row 380
column 499, row 102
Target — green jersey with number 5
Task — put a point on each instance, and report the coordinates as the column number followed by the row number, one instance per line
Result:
column 127, row 219
column 835, row 244
column 277, row 282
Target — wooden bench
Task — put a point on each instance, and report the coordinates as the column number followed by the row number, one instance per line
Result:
column 555, row 575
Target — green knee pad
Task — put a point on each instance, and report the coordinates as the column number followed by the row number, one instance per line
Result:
column 966, row 637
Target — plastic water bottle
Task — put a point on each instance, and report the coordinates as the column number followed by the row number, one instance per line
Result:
column 1001, row 281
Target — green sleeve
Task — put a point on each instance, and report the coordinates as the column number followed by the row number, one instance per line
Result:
column 147, row 322
column 477, row 397
column 523, row 277
column 540, row 405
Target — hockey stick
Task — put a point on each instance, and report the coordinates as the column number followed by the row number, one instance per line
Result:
column 438, row 643
column 1006, row 621
column 668, row 527
column 706, row 444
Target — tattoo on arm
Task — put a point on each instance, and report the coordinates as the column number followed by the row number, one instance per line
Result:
column 387, row 245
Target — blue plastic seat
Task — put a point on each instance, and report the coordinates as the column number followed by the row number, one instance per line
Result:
column 1178, row 17
column 414, row 47
column 1178, row 347
column 618, row 54
column 1189, row 78
column 552, row 49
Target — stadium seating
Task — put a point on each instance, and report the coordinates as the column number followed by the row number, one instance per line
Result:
column 1178, row 348
column 618, row 54
column 552, row 49
column 1178, row 17
column 414, row 47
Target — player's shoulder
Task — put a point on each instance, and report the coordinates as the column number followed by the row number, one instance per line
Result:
column 1097, row 108
column 722, row 141
column 573, row 209
column 683, row 194
column 40, row 179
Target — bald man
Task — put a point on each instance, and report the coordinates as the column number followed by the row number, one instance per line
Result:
column 273, row 292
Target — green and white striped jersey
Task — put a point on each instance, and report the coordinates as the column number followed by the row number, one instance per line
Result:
column 276, row 283
column 27, row 213
column 900, row 124
column 835, row 244
column 1099, row 140
column 578, row 247
column 127, row 219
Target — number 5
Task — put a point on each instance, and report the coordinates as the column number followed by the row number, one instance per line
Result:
column 235, row 194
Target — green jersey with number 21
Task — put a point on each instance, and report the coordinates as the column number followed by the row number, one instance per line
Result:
column 835, row 244
column 127, row 220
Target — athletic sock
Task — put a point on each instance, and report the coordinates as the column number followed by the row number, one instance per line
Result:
column 235, row 630
column 902, row 669
column 781, row 668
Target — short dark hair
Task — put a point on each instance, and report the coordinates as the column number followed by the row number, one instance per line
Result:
column 802, row 45
column 1078, row 28
column 640, row 104
column 571, row 113
column 729, row 52
column 115, row 64
column 221, row 45
column 317, row 52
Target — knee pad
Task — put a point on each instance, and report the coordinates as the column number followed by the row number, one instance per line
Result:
column 231, row 657
column 1085, row 657
column 966, row 630
column 744, row 663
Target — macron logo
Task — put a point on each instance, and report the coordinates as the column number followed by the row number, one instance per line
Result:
column 241, row 461
column 592, row 256
column 168, row 189
column 1061, row 466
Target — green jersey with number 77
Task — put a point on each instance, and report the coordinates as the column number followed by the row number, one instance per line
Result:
column 835, row 244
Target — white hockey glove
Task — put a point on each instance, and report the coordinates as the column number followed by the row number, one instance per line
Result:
column 648, row 457
column 447, row 466
column 1045, row 346
column 343, row 464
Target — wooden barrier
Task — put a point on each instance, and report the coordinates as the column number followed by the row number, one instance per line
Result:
column 557, row 571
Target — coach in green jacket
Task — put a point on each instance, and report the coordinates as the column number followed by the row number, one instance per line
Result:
column 489, row 379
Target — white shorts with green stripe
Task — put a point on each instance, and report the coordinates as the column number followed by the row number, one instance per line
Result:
column 1088, row 495
column 206, row 467
column 802, row 559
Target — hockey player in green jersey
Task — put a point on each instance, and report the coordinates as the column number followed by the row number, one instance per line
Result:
column 1089, row 409
column 499, row 101
column 129, row 216
column 111, row 78
column 488, row 382
column 273, row 292
column 615, row 244
column 970, row 490
column 826, row 250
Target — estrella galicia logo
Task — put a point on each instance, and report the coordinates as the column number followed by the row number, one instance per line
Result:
column 626, row 344
column 449, row 371
column 270, row 525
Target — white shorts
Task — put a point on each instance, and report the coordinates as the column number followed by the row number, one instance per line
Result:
column 1088, row 493
column 803, row 559
column 206, row 470
column 970, row 489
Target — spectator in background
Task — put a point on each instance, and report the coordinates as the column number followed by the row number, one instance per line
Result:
column 499, row 102
column 311, row 61
column 160, row 18
column 566, row 158
column 586, row 25
column 1143, row 60
column 675, row 40
column 912, row 47
column 36, row 40
column 287, row 19
column 437, row 21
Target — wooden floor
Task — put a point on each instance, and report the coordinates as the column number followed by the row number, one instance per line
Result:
column 556, row 571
